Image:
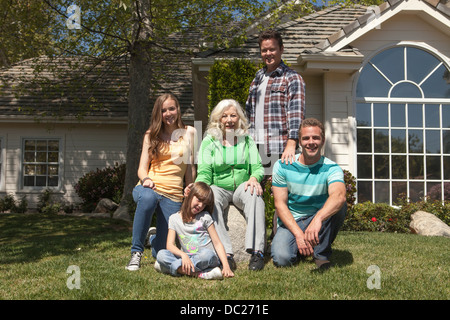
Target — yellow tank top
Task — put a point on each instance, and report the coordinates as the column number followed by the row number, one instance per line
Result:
column 167, row 171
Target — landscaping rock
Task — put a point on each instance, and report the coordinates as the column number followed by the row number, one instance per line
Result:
column 428, row 224
column 106, row 205
column 237, row 227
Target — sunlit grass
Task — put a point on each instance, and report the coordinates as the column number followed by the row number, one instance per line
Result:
column 36, row 251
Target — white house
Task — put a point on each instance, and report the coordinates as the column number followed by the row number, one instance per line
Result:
column 50, row 136
column 378, row 77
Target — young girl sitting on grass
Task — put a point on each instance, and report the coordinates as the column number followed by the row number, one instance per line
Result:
column 200, row 244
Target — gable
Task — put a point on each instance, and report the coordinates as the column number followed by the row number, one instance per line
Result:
column 431, row 11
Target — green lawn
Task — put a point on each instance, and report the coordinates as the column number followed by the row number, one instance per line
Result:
column 37, row 250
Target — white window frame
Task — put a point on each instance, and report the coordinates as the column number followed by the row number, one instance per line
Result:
column 389, row 101
column 60, row 165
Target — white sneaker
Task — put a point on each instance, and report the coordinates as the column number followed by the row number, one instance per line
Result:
column 135, row 261
column 151, row 232
column 157, row 266
column 214, row 274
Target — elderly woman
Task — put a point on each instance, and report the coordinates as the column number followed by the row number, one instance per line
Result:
column 230, row 163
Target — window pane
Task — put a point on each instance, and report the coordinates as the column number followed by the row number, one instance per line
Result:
column 446, row 139
column 41, row 169
column 382, row 167
column 391, row 63
column 434, row 190
column 53, row 170
column 41, row 181
column 364, row 140
column 371, row 83
column 30, row 145
column 363, row 117
column 420, row 64
column 438, row 84
column 432, row 116
column 398, row 115
column 382, row 192
column 447, row 168
column 364, row 167
column 446, row 116
column 53, row 181
column 433, row 141
column 381, row 143
column 416, row 191
column 415, row 115
column 53, row 145
column 41, row 145
column 30, row 156
column 399, row 167
column 30, row 170
column 398, row 141
column 433, row 167
column 53, row 157
column 416, row 168
column 380, row 115
column 406, row 90
column 41, row 156
column 399, row 188
column 28, row 181
column 364, row 191
column 415, row 141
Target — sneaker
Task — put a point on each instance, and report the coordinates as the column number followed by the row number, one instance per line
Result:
column 231, row 263
column 256, row 261
column 214, row 274
column 148, row 238
column 135, row 261
column 157, row 266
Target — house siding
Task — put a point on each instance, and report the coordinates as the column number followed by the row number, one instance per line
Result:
column 83, row 148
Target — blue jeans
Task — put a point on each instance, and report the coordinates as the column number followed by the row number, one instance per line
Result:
column 202, row 260
column 284, row 247
column 148, row 201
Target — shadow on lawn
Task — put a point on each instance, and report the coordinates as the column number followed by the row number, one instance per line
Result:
column 28, row 238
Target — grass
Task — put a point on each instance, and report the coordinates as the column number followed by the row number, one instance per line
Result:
column 37, row 250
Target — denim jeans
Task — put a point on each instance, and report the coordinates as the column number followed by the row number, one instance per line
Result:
column 284, row 247
column 148, row 201
column 202, row 260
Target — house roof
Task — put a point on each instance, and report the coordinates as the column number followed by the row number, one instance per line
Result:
column 83, row 88
column 315, row 33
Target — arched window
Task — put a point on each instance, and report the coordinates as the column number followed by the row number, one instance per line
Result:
column 403, row 126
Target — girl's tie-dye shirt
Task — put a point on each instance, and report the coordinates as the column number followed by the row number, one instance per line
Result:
column 193, row 236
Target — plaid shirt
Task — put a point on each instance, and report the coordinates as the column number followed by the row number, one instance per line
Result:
column 284, row 107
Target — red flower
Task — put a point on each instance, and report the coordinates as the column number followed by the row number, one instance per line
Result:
column 374, row 219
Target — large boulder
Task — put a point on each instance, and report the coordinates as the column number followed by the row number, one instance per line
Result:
column 104, row 208
column 237, row 225
column 428, row 224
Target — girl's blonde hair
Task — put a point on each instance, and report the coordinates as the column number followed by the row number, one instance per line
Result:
column 204, row 193
column 216, row 128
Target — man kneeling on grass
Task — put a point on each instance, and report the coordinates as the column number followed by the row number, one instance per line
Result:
column 310, row 201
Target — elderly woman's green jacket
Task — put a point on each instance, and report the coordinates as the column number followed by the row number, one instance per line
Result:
column 228, row 167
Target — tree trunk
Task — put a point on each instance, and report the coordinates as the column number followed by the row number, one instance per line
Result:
column 139, row 112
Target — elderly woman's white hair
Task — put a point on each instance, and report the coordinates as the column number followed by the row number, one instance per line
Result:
column 215, row 126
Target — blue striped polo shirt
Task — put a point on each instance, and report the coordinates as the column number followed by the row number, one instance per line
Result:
column 307, row 184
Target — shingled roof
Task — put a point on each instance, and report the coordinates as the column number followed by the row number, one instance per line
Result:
column 317, row 31
column 83, row 88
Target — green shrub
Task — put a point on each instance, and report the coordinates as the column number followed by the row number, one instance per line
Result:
column 381, row 217
column 98, row 184
column 230, row 79
column 9, row 203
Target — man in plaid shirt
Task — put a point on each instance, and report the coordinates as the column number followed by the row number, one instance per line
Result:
column 276, row 102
